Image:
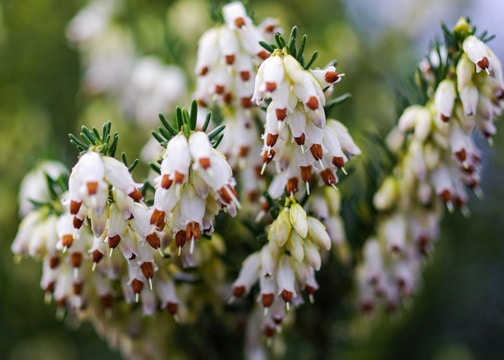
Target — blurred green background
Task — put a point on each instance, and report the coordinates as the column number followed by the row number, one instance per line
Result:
column 459, row 312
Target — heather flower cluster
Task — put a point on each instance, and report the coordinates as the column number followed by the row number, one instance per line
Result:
column 438, row 162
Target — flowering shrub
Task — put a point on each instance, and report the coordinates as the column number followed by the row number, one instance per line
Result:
column 257, row 143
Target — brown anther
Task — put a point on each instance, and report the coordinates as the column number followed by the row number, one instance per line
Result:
column 230, row 59
column 271, row 139
column 204, row 70
column 193, row 231
column 75, row 206
column 61, row 302
column 287, row 295
column 446, row 195
column 338, row 161
column 166, row 182
column 328, row 177
column 113, row 241
column 257, row 171
column 267, row 299
column 310, row 290
column 316, row 151
column 153, row 240
column 239, row 22
column 263, row 54
column 204, row 162
column 268, row 156
column 277, row 319
column 312, row 103
column 92, row 187
column 472, row 183
column 239, row 291
column 265, row 205
column 96, row 256
column 219, row 89
column 180, row 238
column 179, row 178
column 243, row 151
column 172, row 307
column 76, row 259
column 292, row 185
column 484, row 63
column 306, row 173
column 202, row 103
column 269, row 331
column 252, row 196
column 77, row 222
column 50, row 287
column 281, row 114
column 367, row 307
column 458, row 202
column 227, row 98
column 423, row 245
column 136, row 195
column 107, row 300
column 469, row 169
column 54, row 261
column 271, row 86
column 77, row 288
column 331, row 77
column 245, row 75
column 158, row 218
column 270, row 28
column 67, row 240
column 300, row 140
column 137, row 286
column 246, row 102
column 445, row 118
column 147, row 270
column 461, row 155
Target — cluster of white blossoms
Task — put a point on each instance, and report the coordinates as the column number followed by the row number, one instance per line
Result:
column 438, row 162
column 297, row 135
column 142, row 86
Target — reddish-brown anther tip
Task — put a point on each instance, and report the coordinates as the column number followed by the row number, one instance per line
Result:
column 54, row 262
column 92, row 187
column 300, row 140
column 292, row 185
column 484, row 63
column 166, row 182
column 172, row 307
column 107, row 300
column 243, row 151
column 267, row 299
column 77, row 288
column 136, row 195
column 179, row 178
column 158, row 218
column 147, row 270
column 204, row 162
column 338, row 161
column 316, row 151
column 153, row 240
column 227, row 98
column 306, row 173
column 230, row 59
column 287, row 295
column 312, row 103
column 269, row 331
column 246, row 102
column 263, row 54
column 271, row 86
column 367, row 307
column 245, row 75
column 202, row 103
column 137, row 286
column 328, row 177
column 180, row 238
column 67, row 240
column 239, row 291
column 310, row 290
column 77, row 222
column 461, row 155
column 75, row 206
column 96, row 256
column 445, row 118
column 204, row 70
column 50, row 287
column 76, row 259
column 219, row 89
column 267, row 157
column 271, row 139
column 281, row 114
column 113, row 241
column 446, row 195
column 331, row 77
column 239, row 22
